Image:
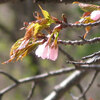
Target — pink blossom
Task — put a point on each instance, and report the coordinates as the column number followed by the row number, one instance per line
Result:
column 53, row 53
column 47, row 52
column 95, row 15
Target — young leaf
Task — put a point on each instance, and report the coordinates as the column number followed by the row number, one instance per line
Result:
column 45, row 13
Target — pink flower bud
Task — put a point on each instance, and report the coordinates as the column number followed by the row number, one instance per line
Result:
column 95, row 15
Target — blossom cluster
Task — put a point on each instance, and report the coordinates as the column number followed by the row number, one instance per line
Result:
column 91, row 14
column 46, row 44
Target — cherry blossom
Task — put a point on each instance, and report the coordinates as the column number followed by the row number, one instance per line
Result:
column 95, row 15
column 46, row 51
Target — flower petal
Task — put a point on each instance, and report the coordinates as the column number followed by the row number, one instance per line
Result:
column 42, row 51
column 45, row 13
column 95, row 15
column 45, row 53
column 53, row 53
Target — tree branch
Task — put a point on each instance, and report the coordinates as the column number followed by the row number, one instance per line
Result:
column 35, row 78
column 80, row 42
column 63, row 1
column 92, row 55
column 64, row 86
column 51, row 1
column 80, row 25
column 68, row 56
column 94, row 60
column 81, row 90
column 9, row 76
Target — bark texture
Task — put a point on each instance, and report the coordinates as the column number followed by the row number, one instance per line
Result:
column 65, row 1
column 5, row 1
column 52, row 1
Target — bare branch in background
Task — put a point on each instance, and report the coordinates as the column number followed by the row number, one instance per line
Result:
column 81, row 25
column 5, row 1
column 94, row 60
column 88, row 87
column 31, row 91
column 81, row 90
column 78, row 72
column 33, row 78
column 46, row 75
column 80, row 42
column 68, row 56
column 65, row 85
column 92, row 55
column 51, row 1
column 63, row 1
column 9, row 76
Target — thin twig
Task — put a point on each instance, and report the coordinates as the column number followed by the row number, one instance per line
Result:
column 81, row 24
column 65, row 53
column 92, row 55
column 32, row 91
column 81, row 90
column 62, row 1
column 40, row 77
column 65, row 85
column 68, row 56
column 94, row 60
column 79, row 42
column 35, row 78
column 6, row 1
column 79, row 63
column 88, row 87
column 9, row 76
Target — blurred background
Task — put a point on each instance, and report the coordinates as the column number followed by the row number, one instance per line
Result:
column 12, row 16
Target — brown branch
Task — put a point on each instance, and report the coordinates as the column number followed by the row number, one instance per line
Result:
column 9, row 76
column 40, row 77
column 92, row 55
column 68, row 56
column 7, row 31
column 35, row 79
column 81, row 24
column 94, row 60
column 51, row 1
column 63, row 1
column 81, row 90
column 79, row 42
column 5, row 1
column 64, row 86
column 31, row 92
column 88, row 87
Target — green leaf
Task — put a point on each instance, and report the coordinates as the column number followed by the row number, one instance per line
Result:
column 45, row 13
